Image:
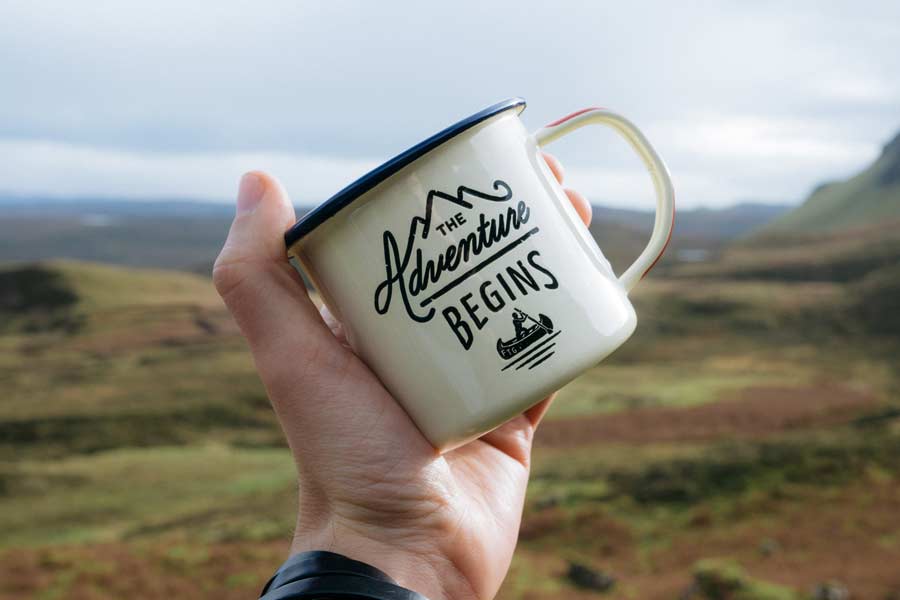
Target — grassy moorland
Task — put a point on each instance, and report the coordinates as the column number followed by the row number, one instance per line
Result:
column 869, row 198
column 744, row 444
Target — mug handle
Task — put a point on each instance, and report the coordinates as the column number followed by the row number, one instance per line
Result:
column 665, row 194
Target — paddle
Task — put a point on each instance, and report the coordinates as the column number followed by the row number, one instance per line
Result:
column 541, row 325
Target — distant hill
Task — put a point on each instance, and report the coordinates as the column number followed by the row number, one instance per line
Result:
column 870, row 198
column 187, row 235
column 700, row 234
column 714, row 223
column 59, row 294
column 83, row 286
column 165, row 234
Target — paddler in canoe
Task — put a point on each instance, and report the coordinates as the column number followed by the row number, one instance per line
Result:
column 528, row 331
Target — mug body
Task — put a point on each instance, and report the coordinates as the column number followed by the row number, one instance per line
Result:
column 468, row 283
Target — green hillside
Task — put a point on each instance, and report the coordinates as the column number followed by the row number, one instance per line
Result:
column 870, row 198
column 749, row 428
column 93, row 286
column 95, row 357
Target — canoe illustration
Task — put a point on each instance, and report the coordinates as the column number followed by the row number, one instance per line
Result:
column 528, row 331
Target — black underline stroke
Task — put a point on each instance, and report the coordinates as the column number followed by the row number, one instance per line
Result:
column 478, row 267
column 530, row 352
column 540, row 361
column 536, row 356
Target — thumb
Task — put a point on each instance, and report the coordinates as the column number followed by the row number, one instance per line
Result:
column 252, row 274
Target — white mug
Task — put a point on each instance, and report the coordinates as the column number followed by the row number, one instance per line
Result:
column 465, row 279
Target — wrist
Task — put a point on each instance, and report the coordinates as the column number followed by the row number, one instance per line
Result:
column 414, row 563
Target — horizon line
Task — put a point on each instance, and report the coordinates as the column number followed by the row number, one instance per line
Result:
column 11, row 198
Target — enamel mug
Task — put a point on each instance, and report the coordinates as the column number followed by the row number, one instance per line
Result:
column 465, row 279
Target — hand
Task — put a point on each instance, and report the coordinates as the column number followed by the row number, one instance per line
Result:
column 371, row 487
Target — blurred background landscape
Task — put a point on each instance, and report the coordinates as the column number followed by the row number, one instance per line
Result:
column 743, row 445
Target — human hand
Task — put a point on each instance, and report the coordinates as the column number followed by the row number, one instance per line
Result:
column 371, row 486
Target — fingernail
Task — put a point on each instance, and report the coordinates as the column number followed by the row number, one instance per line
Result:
column 250, row 193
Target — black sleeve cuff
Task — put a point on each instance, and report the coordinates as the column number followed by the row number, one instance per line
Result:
column 322, row 574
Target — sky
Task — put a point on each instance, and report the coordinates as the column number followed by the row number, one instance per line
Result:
column 746, row 101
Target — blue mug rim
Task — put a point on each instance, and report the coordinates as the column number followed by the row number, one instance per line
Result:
column 350, row 193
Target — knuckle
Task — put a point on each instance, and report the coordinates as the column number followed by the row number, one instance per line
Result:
column 229, row 275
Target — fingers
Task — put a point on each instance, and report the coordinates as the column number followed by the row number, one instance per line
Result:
column 555, row 166
column 536, row 413
column 513, row 438
column 263, row 292
column 336, row 327
column 581, row 204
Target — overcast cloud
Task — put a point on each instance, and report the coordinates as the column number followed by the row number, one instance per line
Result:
column 746, row 101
